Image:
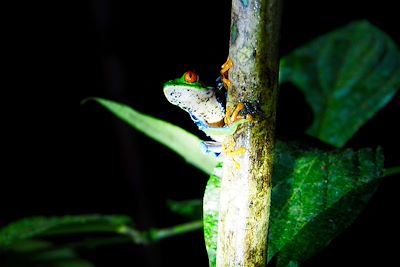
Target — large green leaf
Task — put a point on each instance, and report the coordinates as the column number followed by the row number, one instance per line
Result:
column 315, row 196
column 180, row 141
column 41, row 226
column 346, row 76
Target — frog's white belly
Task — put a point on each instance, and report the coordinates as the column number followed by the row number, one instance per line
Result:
column 201, row 103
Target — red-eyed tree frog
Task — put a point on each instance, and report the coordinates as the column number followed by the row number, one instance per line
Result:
column 206, row 106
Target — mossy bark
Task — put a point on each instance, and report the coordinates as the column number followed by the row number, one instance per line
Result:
column 246, row 182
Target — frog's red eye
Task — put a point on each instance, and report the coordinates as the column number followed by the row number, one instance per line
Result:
column 191, row 76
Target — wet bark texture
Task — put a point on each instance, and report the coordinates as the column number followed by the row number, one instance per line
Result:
column 246, row 182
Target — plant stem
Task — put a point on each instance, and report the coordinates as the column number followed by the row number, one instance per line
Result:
column 155, row 235
column 246, row 182
column 130, row 235
column 391, row 171
column 159, row 234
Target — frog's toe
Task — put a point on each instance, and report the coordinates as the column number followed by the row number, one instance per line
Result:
column 227, row 83
column 226, row 67
column 224, row 73
column 233, row 116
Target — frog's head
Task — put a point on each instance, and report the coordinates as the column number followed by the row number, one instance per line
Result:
column 187, row 92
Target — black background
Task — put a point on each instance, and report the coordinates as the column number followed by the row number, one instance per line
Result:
column 60, row 157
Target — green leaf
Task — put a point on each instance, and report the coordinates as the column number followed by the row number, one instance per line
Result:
column 346, row 76
column 41, row 226
column 173, row 137
column 316, row 194
column 191, row 209
column 210, row 214
column 321, row 196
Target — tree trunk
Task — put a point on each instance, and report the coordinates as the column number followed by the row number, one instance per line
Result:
column 246, row 182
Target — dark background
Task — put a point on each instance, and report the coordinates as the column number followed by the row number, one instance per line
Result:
column 60, row 157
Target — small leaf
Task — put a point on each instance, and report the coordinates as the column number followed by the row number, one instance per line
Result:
column 40, row 226
column 316, row 194
column 191, row 209
column 346, row 76
column 180, row 141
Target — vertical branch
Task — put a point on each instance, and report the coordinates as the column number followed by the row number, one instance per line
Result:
column 246, row 182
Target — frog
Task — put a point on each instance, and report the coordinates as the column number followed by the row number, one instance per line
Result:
column 206, row 106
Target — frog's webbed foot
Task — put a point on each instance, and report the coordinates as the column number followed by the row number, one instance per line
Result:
column 230, row 151
column 224, row 73
column 233, row 116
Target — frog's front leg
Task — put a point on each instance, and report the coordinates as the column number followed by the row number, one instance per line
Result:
column 231, row 116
